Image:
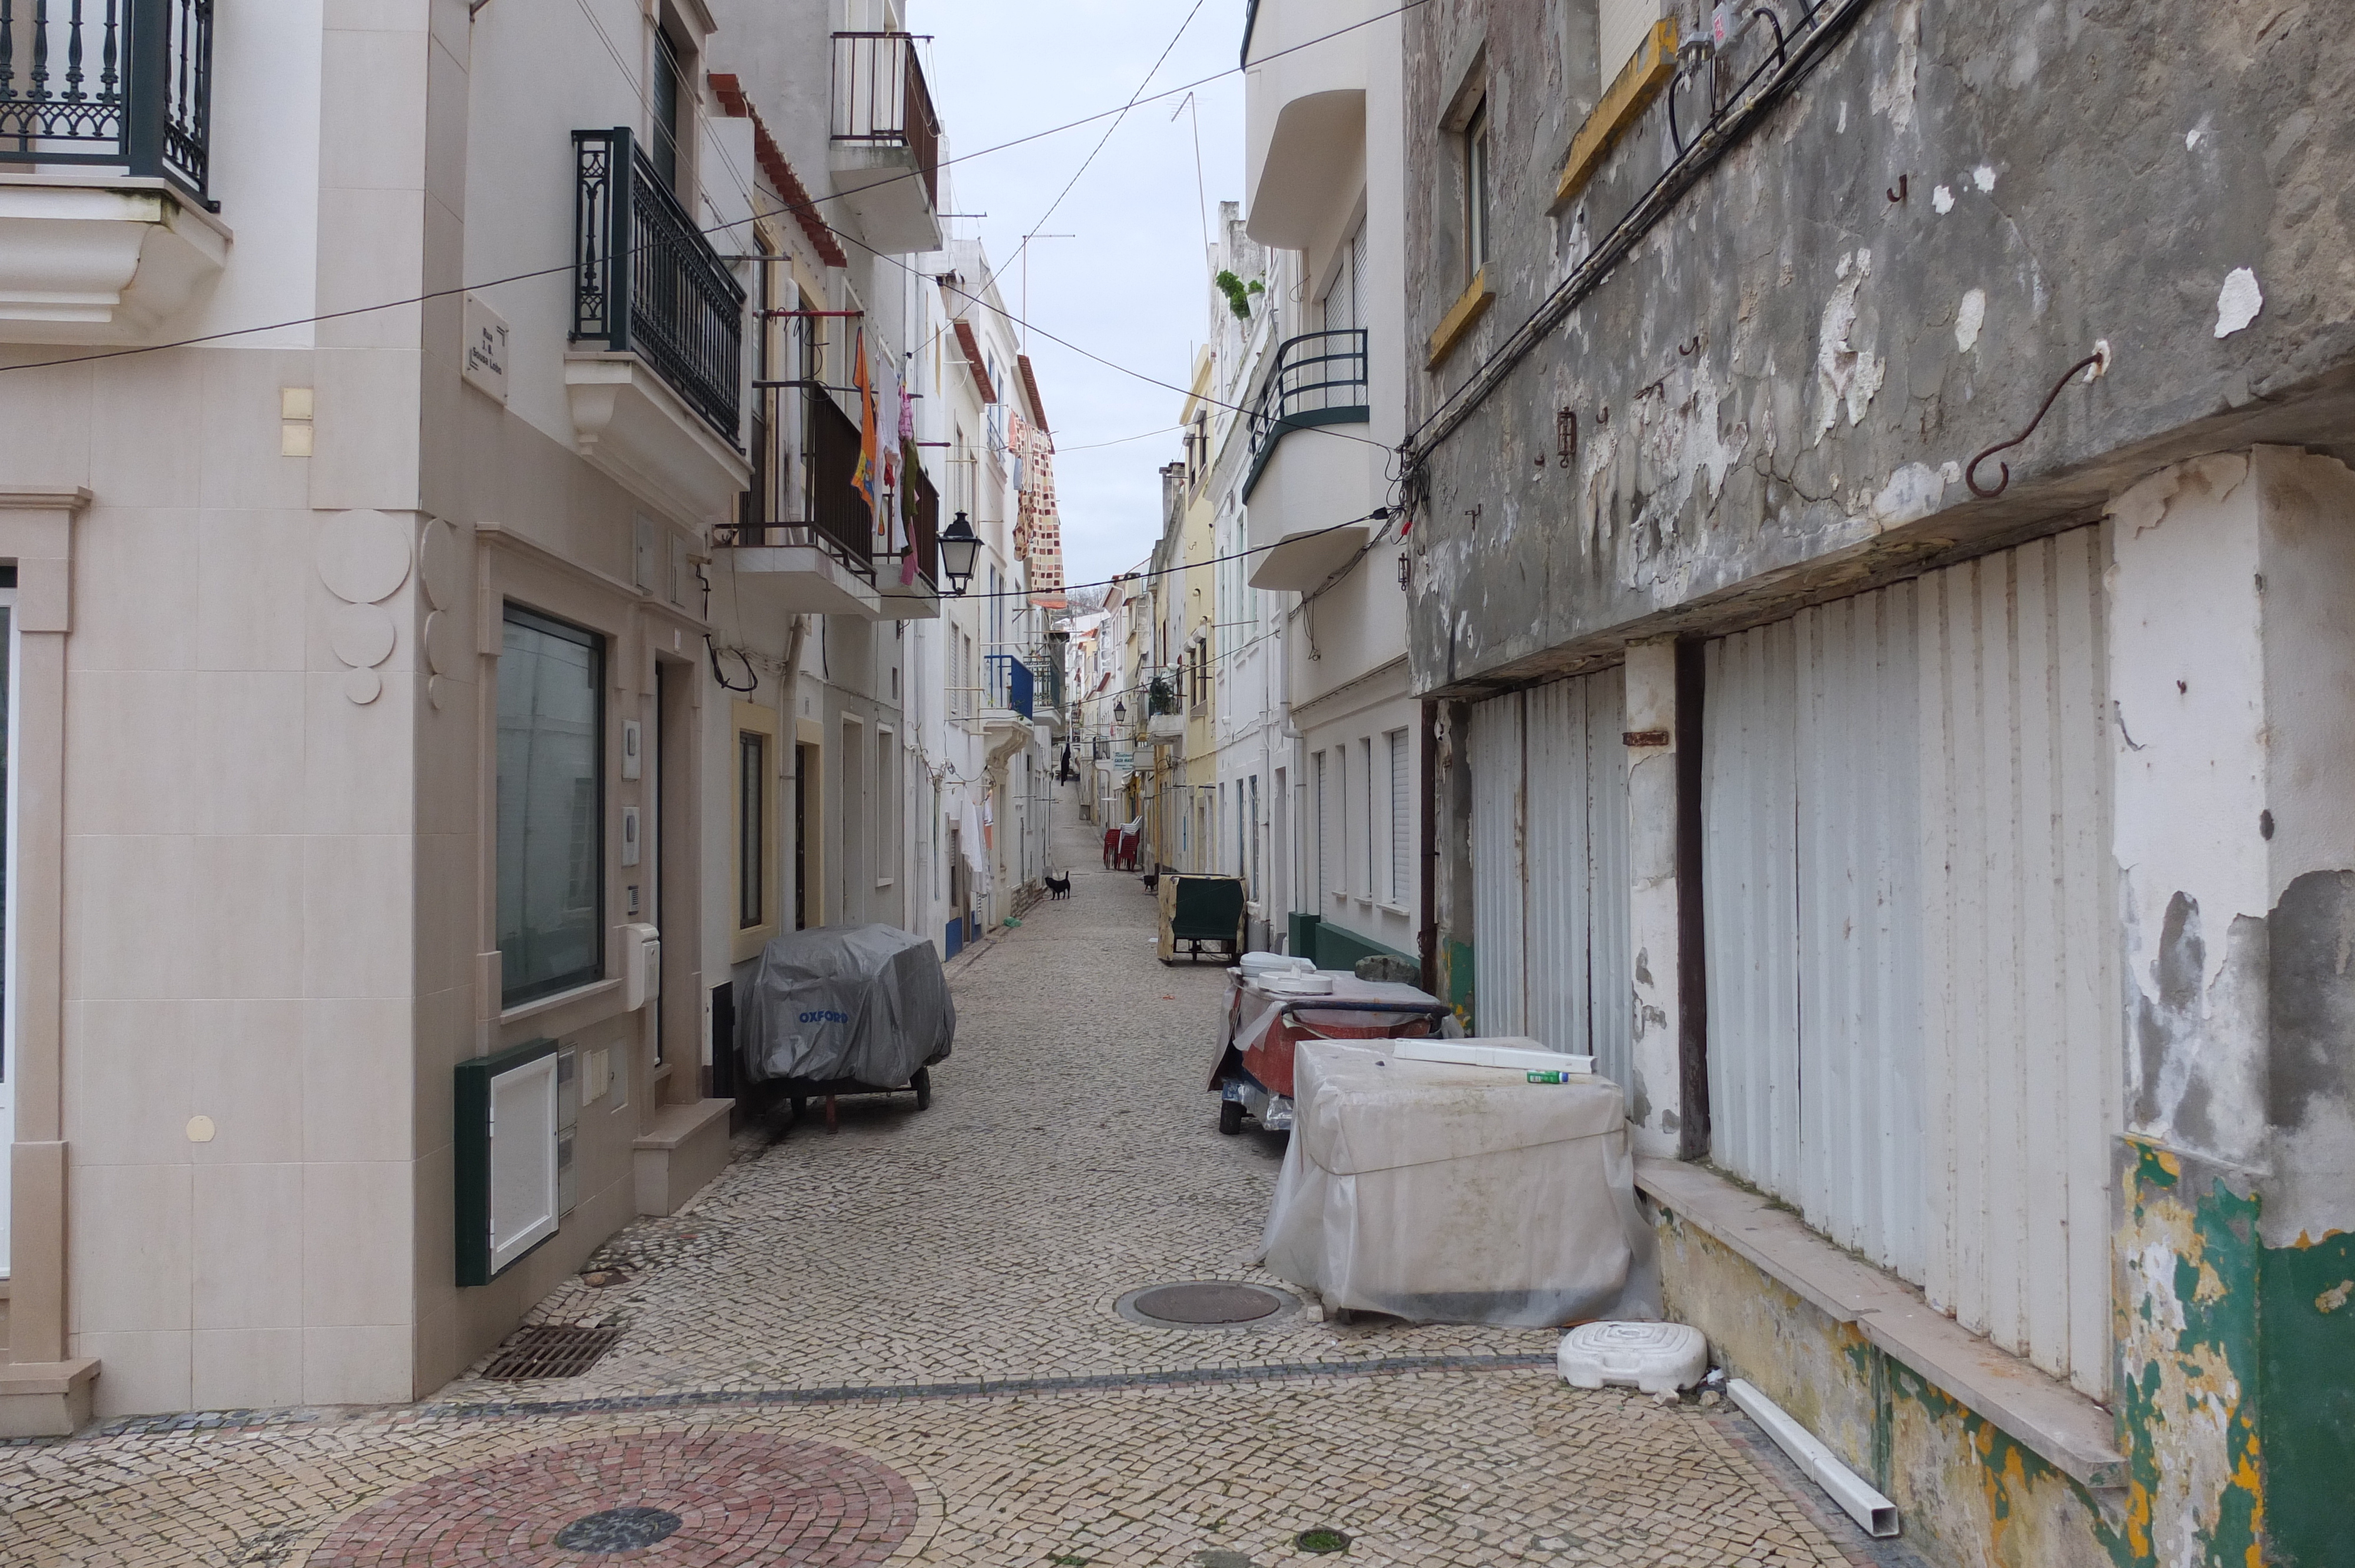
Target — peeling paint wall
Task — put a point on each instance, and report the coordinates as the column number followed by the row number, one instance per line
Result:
column 1966, row 1493
column 2233, row 594
column 1778, row 391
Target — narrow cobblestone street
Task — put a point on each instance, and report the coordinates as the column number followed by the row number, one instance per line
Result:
column 899, row 1343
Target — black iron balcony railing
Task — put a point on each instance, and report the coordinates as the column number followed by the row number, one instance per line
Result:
column 920, row 507
column 880, row 96
column 1316, row 379
column 1007, row 682
column 647, row 281
column 818, row 506
column 120, row 84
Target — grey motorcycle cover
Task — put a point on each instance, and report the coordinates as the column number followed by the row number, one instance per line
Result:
column 865, row 1003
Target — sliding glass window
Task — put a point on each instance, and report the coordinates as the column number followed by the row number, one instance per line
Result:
column 551, row 809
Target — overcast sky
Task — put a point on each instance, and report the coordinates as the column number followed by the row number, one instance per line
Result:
column 1132, row 284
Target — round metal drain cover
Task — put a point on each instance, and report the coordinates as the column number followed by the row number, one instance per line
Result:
column 618, row 1530
column 1203, row 1304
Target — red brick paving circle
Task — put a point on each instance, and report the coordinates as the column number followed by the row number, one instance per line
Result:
column 740, row 1498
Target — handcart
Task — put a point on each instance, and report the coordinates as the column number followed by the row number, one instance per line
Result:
column 1268, row 1016
column 1200, row 912
column 861, row 1009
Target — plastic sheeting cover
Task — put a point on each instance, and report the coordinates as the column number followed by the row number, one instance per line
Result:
column 865, row 1003
column 1445, row 1193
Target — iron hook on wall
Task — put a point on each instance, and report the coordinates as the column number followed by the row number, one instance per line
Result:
column 1897, row 190
column 2097, row 362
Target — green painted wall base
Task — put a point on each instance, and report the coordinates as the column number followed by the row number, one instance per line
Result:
column 1339, row 948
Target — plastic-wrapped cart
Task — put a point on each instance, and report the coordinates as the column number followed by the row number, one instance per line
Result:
column 1445, row 1193
column 1270, row 1012
column 844, row 1010
column 1198, row 912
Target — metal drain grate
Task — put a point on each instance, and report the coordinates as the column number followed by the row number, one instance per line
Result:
column 551, row 1350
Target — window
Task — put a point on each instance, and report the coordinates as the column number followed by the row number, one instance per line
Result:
column 751, row 829
column 1475, row 192
column 1402, row 831
column 1366, row 789
column 551, row 812
column 760, row 830
column 1323, row 884
column 663, row 107
column 854, row 820
column 887, row 807
column 1252, row 876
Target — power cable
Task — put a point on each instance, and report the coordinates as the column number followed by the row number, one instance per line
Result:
column 784, row 209
column 1160, row 61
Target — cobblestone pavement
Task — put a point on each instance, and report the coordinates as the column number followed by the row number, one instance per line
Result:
column 897, row 1342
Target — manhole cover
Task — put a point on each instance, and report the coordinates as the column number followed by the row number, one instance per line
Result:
column 714, row 1499
column 551, row 1350
column 1203, row 1304
column 618, row 1530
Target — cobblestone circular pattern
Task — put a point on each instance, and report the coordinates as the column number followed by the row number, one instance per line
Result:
column 619, row 1529
column 1205, row 1304
column 734, row 1497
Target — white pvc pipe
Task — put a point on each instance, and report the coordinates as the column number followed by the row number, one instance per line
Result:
column 1876, row 1513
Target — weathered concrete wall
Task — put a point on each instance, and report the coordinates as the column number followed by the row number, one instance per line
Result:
column 1965, row 1492
column 1778, row 389
column 2233, row 593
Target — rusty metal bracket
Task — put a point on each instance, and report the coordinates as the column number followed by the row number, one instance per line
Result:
column 1565, row 435
column 2098, row 361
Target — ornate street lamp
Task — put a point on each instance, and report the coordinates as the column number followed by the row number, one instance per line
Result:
column 958, row 547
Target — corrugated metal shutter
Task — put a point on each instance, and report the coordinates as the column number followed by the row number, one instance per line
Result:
column 1550, row 869
column 2021, row 1035
column 1859, row 933
column 1496, row 920
column 1813, row 918
column 1907, row 887
column 1751, row 901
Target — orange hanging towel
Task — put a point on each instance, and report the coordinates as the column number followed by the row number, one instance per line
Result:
column 867, row 478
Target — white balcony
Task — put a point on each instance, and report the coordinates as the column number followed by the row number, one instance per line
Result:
column 85, row 260
column 884, row 152
column 629, row 425
column 1303, row 119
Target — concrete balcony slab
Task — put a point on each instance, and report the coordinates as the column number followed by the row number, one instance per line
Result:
column 101, row 262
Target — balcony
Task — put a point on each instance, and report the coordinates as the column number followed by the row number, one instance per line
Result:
column 802, row 542
column 909, row 588
column 886, row 145
column 654, row 379
column 1006, row 688
column 1307, row 64
column 1302, row 493
column 105, row 154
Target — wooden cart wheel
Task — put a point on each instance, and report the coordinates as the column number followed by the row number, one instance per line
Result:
column 922, row 1084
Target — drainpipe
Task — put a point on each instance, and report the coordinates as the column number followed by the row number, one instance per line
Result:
column 1427, row 832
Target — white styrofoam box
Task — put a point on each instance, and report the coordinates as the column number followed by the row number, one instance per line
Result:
column 1512, row 1052
column 1657, row 1358
column 1299, row 983
column 1257, row 966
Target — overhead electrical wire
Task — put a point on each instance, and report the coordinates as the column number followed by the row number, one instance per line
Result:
column 784, row 209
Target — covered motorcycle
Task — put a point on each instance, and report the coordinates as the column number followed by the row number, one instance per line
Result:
column 845, row 1010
